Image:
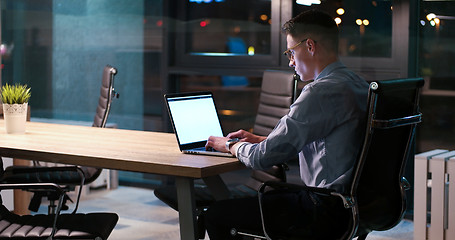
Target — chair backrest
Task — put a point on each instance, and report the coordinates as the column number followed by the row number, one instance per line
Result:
column 378, row 185
column 278, row 92
column 107, row 93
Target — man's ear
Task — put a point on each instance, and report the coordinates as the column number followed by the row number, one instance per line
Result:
column 311, row 46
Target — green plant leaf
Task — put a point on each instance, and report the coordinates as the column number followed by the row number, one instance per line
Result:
column 18, row 94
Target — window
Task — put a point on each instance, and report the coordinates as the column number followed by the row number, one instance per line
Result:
column 436, row 58
column 365, row 26
column 437, row 49
column 216, row 32
column 213, row 29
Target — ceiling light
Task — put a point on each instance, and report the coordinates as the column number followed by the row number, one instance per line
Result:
column 338, row 20
column 340, row 11
column 431, row 16
column 307, row 2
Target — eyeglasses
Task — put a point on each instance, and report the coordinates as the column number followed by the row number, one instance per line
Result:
column 290, row 51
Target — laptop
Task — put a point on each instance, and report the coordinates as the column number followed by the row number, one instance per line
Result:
column 194, row 119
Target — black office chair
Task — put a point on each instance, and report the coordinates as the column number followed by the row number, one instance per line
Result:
column 277, row 94
column 375, row 200
column 70, row 176
column 96, row 226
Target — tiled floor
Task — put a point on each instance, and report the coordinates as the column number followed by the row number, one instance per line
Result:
column 144, row 217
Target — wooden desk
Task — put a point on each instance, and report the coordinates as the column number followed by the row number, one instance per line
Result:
column 127, row 150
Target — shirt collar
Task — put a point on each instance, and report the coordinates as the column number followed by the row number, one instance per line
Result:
column 329, row 69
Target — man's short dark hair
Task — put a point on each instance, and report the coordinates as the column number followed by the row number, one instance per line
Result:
column 313, row 23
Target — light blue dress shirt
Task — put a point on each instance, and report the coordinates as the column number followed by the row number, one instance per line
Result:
column 325, row 126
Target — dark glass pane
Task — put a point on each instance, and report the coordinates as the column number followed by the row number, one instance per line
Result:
column 436, row 65
column 365, row 26
column 234, row 27
column 437, row 45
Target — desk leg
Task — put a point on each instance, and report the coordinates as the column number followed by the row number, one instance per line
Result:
column 217, row 187
column 21, row 198
column 187, row 208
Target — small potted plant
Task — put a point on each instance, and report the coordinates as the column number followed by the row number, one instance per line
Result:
column 15, row 103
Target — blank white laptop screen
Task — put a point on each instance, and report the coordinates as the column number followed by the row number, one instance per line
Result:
column 194, row 118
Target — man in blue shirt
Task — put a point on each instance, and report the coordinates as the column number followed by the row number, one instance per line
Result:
column 324, row 126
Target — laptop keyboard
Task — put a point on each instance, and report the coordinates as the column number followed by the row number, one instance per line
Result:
column 203, row 149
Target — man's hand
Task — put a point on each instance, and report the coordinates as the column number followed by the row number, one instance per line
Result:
column 246, row 136
column 217, row 143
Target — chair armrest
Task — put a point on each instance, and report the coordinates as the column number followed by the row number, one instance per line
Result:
column 284, row 185
column 347, row 200
column 37, row 186
column 405, row 184
column 17, row 170
column 37, row 169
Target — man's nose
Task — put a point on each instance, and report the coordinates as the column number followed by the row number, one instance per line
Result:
column 291, row 63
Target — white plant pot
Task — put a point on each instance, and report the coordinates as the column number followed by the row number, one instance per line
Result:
column 15, row 116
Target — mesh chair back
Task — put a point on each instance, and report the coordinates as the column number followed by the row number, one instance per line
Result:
column 392, row 119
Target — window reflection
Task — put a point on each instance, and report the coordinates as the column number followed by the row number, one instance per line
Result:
column 228, row 28
column 365, row 26
column 436, row 65
column 437, row 30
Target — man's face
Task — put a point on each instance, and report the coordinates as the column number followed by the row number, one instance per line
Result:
column 300, row 59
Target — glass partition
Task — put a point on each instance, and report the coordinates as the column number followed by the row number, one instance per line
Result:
column 59, row 48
